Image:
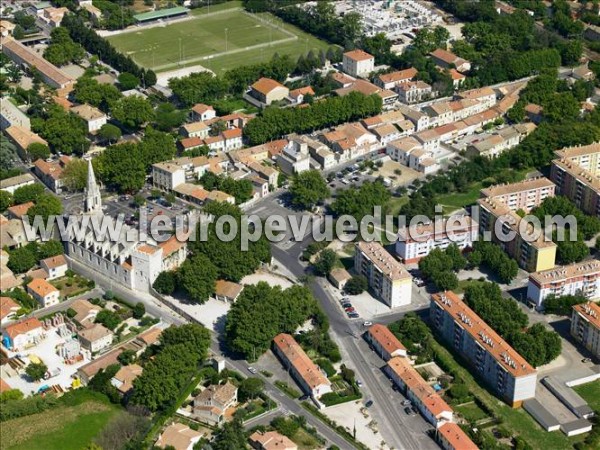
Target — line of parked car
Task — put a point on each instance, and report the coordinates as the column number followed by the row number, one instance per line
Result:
column 349, row 309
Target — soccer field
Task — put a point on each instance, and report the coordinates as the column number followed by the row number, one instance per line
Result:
column 219, row 41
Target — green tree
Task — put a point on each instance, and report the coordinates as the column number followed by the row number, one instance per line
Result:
column 198, row 276
column 28, row 193
column 49, row 248
column 133, row 111
column 308, row 189
column 36, row 371
column 38, row 150
column 128, row 81
column 74, row 175
column 109, row 133
column 250, row 388
column 127, row 357
column 357, row 285
column 103, row 96
column 109, row 319
column 562, row 305
column 139, row 310
column 168, row 117
column 65, row 132
column 46, row 205
column 230, row 436
column 6, row 200
column 326, row 261
column 21, row 260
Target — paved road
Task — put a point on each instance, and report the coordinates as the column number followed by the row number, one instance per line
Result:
column 399, row 430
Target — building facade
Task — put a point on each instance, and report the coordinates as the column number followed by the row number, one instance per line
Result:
column 581, row 278
column 417, row 242
column 524, row 195
column 585, row 326
column 388, row 279
column 492, row 359
column 358, row 63
column 384, row 342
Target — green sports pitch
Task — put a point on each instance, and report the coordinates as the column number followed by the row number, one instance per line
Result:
column 218, row 40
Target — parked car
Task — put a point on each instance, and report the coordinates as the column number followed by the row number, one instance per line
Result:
column 349, row 309
column 408, row 410
column 369, row 403
column 252, row 369
column 354, row 315
column 406, row 403
column 359, row 383
column 367, row 324
column 586, row 360
column 347, row 305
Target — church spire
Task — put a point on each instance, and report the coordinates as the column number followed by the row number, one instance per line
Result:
column 92, row 201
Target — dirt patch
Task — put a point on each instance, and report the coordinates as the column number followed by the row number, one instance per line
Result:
column 397, row 173
column 20, row 430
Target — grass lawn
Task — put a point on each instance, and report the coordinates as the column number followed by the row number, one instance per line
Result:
column 70, row 286
column 452, row 202
column 462, row 284
column 208, row 34
column 392, row 207
column 61, row 428
column 471, row 412
column 304, row 440
column 591, row 394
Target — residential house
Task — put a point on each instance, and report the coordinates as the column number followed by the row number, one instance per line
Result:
column 451, row 437
column 55, row 266
column 227, row 291
column 339, row 277
column 350, row 141
column 51, row 172
column 19, row 211
column 306, row 373
column 439, row 113
column 582, row 73
column 179, row 437
column 393, row 79
column 202, row 112
column 366, row 88
column 11, row 184
column 233, row 139
column 267, row 172
column 260, row 187
column 95, row 338
column 384, row 342
column 423, row 397
column 429, row 139
column 386, row 133
column 12, row 234
column 271, row 440
column 267, row 91
column 219, row 196
column 53, row 16
column 8, row 310
column 8, row 280
column 414, row 92
column 23, row 138
column 401, row 149
column 88, row 371
column 342, row 80
column 23, row 334
column 212, row 403
column 419, row 119
column 486, row 96
column 358, row 63
column 123, row 379
column 534, row 112
column 85, row 312
column 195, row 130
column 42, row 291
column 297, row 96
column 449, row 60
column 93, row 117
column 457, row 78
column 11, row 115
column 294, row 158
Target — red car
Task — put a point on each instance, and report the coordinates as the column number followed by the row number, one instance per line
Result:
column 349, row 310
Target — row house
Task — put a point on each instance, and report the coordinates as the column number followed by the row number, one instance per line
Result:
column 195, row 129
column 384, row 342
column 449, row 60
column 414, row 92
column 419, row 119
column 582, row 278
column 485, row 95
column 388, row 97
column 429, row 139
column 350, row 141
column 393, row 79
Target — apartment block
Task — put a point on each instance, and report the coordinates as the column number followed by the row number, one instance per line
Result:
column 575, row 174
column 388, row 279
column 503, row 225
column 524, row 195
column 579, row 278
column 492, row 359
column 585, row 326
column 418, row 241
column 306, row 373
column 423, row 397
column 384, row 342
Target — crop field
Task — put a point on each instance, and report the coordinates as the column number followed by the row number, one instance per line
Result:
column 218, row 40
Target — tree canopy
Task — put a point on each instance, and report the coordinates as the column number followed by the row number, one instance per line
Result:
column 308, row 189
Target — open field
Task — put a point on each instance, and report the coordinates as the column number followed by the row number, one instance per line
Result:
column 591, row 394
column 47, row 430
column 220, row 40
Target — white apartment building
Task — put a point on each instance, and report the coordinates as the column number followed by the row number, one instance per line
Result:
column 578, row 278
column 524, row 195
column 414, row 92
column 169, row 174
column 418, row 241
column 585, row 326
column 358, row 63
column 294, row 158
column 388, row 279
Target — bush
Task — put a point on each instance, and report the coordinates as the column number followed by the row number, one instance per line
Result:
column 326, row 365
